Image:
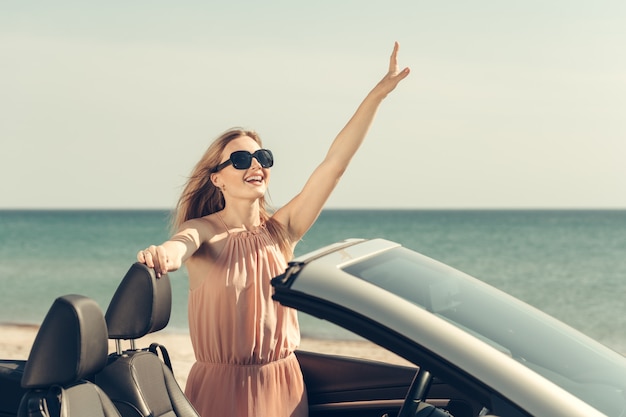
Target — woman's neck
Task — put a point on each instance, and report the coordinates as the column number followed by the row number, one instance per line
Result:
column 241, row 216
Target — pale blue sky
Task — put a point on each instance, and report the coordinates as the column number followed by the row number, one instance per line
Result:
column 510, row 104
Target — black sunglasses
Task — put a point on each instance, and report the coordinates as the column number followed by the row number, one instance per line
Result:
column 243, row 159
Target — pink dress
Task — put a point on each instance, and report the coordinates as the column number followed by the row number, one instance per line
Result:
column 242, row 339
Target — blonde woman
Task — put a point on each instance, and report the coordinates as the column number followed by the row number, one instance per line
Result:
column 232, row 246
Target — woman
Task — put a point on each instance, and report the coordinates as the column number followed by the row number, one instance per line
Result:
column 232, row 246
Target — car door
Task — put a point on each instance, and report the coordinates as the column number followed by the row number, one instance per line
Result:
column 345, row 386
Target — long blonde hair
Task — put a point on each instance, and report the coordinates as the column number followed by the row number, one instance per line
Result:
column 201, row 197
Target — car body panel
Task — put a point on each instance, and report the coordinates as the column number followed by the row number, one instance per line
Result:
column 318, row 285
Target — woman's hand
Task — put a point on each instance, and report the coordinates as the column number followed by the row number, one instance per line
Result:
column 154, row 257
column 394, row 76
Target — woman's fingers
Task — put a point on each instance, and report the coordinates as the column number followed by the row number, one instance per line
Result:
column 393, row 64
column 393, row 61
column 161, row 261
column 154, row 257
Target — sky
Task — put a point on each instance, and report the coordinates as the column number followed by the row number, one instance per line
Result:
column 509, row 104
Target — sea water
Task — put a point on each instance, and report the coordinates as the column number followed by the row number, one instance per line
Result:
column 569, row 263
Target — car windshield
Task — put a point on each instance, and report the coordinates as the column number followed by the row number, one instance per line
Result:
column 561, row 354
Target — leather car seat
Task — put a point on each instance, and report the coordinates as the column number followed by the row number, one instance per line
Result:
column 70, row 347
column 139, row 383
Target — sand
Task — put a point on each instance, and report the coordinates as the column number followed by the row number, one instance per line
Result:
column 16, row 341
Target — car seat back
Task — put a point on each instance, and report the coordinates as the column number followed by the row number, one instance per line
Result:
column 70, row 347
column 137, row 380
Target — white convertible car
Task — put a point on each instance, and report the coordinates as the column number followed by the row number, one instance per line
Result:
column 476, row 350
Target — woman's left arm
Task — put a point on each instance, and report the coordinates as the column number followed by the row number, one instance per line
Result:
column 301, row 212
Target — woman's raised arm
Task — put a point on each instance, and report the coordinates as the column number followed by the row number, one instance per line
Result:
column 301, row 212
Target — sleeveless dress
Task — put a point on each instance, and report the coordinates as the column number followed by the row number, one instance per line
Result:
column 242, row 339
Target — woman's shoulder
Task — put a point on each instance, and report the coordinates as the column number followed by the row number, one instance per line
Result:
column 203, row 221
column 207, row 226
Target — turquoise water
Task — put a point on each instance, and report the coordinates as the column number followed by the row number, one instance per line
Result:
column 571, row 264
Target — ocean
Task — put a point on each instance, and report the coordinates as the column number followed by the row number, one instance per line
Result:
column 569, row 263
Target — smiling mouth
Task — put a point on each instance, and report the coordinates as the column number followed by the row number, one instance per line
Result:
column 257, row 179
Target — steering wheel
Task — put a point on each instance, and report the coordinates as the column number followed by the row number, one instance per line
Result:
column 416, row 394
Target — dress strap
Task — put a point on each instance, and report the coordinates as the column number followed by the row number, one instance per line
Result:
column 223, row 223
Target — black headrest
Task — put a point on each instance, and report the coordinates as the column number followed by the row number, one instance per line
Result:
column 71, row 344
column 141, row 304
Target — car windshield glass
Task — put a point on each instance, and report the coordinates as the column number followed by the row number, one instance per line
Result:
column 561, row 354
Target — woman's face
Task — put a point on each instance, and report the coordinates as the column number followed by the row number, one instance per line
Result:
column 250, row 183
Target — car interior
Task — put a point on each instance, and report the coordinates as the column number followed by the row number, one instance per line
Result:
column 70, row 370
column 344, row 386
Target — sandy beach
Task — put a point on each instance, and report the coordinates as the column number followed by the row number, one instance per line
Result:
column 16, row 341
